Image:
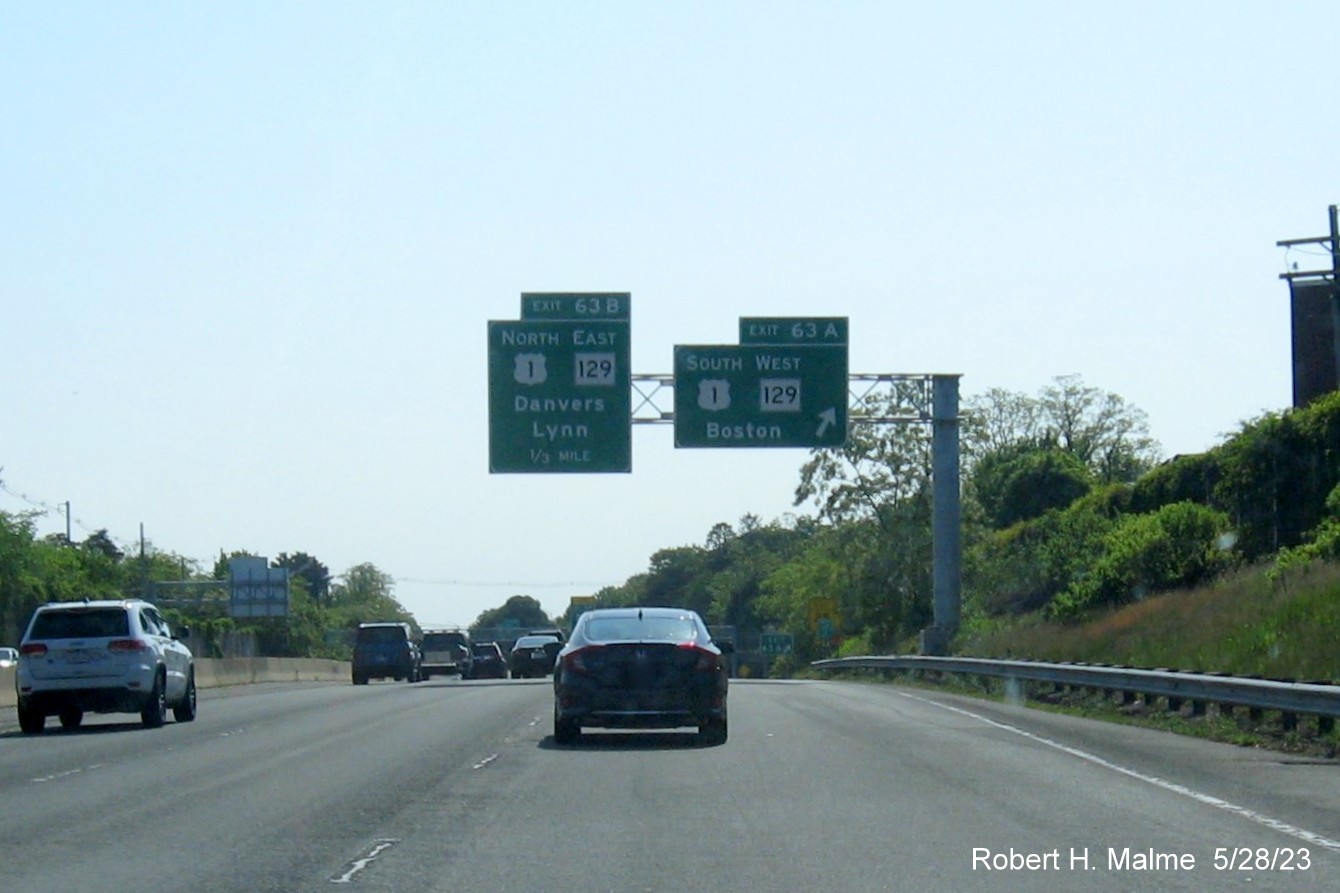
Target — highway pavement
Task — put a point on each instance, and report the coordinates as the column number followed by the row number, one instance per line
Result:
column 836, row 786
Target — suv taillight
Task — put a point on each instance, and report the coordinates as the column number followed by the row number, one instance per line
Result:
column 127, row 645
column 33, row 649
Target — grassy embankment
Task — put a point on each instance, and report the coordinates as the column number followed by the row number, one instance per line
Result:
column 1246, row 624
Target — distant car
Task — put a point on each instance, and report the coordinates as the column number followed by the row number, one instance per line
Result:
column 385, row 650
column 643, row 668
column 102, row 657
column 486, row 662
column 533, row 656
column 9, row 657
column 555, row 632
column 444, row 651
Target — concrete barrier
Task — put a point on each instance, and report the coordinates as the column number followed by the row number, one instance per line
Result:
column 216, row 673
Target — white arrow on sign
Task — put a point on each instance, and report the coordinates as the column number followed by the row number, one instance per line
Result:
column 827, row 419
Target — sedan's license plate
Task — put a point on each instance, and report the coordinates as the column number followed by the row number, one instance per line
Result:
column 538, row 655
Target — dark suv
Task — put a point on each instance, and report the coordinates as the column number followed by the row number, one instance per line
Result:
column 385, row 650
column 486, row 662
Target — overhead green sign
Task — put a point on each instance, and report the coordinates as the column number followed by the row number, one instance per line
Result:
column 559, row 387
column 760, row 395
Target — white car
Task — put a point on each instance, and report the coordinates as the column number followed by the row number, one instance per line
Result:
column 103, row 657
column 8, row 657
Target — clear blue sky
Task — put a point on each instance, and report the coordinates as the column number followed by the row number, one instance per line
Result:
column 248, row 250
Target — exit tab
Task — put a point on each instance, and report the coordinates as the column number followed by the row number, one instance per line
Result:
column 826, row 330
column 575, row 306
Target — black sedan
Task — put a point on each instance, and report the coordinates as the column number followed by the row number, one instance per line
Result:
column 533, row 656
column 641, row 668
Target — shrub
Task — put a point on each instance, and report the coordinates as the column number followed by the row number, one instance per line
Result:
column 1177, row 546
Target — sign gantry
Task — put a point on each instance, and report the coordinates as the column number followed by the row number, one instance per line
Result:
column 561, row 400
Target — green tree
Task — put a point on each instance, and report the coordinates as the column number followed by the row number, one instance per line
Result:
column 521, row 611
column 1175, row 547
column 880, row 467
column 1100, row 428
column 1110, row 436
column 678, row 577
column 314, row 575
column 1023, row 481
column 366, row 594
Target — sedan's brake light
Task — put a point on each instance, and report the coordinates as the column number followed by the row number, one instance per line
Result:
column 575, row 661
column 33, row 649
column 127, row 645
column 707, row 661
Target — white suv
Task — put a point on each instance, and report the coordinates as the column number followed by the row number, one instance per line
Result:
column 104, row 657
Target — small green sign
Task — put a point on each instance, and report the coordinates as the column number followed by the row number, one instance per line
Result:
column 776, row 643
column 830, row 330
column 575, row 306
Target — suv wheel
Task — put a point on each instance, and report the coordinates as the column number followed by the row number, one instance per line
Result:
column 185, row 711
column 31, row 721
column 71, row 717
column 154, row 712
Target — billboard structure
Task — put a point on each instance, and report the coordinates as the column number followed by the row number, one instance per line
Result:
column 1314, row 312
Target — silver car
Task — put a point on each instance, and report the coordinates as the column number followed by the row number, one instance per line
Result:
column 103, row 657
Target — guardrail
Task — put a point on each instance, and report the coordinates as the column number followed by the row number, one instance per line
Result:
column 1290, row 698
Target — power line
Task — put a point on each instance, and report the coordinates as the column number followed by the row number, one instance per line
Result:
column 513, row 583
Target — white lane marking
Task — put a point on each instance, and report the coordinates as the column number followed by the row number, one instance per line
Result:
column 66, row 774
column 1250, row 815
column 484, row 762
column 359, row 865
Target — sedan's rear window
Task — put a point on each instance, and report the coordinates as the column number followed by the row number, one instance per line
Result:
column 90, row 623
column 534, row 642
column 646, row 629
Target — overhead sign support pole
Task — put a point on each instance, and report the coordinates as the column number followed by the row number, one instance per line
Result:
column 946, row 517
